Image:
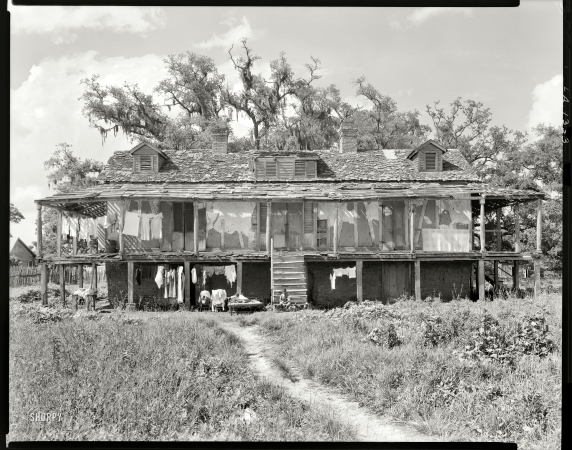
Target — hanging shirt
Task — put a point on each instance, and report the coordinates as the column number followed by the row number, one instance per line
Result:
column 157, row 226
column 230, row 274
column 159, row 276
column 194, row 276
column 145, row 227
column 181, row 276
column 131, row 226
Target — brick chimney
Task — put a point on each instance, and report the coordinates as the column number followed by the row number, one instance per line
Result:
column 219, row 135
column 348, row 136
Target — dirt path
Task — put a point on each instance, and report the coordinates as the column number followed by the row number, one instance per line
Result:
column 370, row 427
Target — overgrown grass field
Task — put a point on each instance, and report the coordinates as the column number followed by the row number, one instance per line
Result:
column 145, row 376
column 459, row 370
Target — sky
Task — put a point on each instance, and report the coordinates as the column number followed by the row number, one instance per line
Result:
column 510, row 59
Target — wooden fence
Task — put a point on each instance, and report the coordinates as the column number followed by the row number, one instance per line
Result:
column 25, row 276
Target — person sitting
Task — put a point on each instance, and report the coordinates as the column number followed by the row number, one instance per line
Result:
column 284, row 302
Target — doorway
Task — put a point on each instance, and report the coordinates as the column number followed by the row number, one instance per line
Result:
column 287, row 221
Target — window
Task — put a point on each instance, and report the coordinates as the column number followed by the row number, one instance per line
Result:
column 430, row 161
column 285, row 168
column 145, row 163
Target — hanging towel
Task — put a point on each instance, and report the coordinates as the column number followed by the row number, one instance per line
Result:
column 219, row 270
column 138, row 275
column 181, row 275
column 172, row 284
column 157, row 226
column 159, row 276
column 230, row 274
column 145, row 227
column 209, row 271
column 351, row 272
column 333, row 280
column 194, row 276
column 83, row 229
column 167, row 281
column 131, row 226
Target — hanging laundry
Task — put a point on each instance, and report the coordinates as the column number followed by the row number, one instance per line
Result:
column 181, row 276
column 219, row 270
column 138, row 275
column 230, row 273
column 204, row 277
column 159, row 276
column 157, row 226
column 209, row 271
column 351, row 272
column 167, row 281
column 172, row 284
column 145, row 227
column 218, row 298
column 102, row 221
column 131, row 226
column 83, row 229
column 194, row 276
column 333, row 280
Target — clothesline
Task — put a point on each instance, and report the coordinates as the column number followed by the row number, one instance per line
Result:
column 228, row 271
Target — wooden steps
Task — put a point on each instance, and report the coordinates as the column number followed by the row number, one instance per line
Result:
column 289, row 272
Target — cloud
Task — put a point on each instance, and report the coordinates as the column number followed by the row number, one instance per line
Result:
column 61, row 22
column 421, row 15
column 45, row 111
column 547, row 103
column 232, row 36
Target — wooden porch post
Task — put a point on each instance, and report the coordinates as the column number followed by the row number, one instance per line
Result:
column 417, row 279
column 481, row 279
column 257, row 226
column 59, row 237
column 94, row 282
column 499, row 245
column 131, row 304
column 80, row 275
column 536, row 278
column 75, row 237
column 187, row 269
column 196, row 227
column 359, row 271
column 63, row 284
column 356, row 240
column 268, row 227
column 39, row 232
column 121, row 221
column 44, row 282
column 239, row 277
column 336, row 228
column 516, row 228
column 380, row 224
column 482, row 224
column 515, row 276
column 412, row 228
column 538, row 227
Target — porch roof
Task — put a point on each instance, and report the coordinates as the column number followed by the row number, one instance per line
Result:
column 91, row 202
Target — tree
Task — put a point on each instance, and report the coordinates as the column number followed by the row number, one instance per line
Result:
column 67, row 173
column 15, row 215
column 193, row 88
column 264, row 101
column 383, row 126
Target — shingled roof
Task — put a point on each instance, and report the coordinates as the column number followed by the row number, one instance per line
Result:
column 204, row 166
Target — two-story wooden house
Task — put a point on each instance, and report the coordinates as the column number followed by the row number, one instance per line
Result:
column 329, row 226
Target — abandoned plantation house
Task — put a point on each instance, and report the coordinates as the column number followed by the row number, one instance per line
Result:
column 329, row 226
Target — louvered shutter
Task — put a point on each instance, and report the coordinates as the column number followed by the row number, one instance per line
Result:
column 311, row 169
column 430, row 161
column 270, row 169
column 300, row 169
column 285, row 168
column 259, row 167
column 439, row 161
column 136, row 163
column 146, row 164
column 308, row 217
column 155, row 166
column 421, row 157
column 263, row 212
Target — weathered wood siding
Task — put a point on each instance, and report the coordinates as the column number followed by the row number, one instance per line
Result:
column 395, row 279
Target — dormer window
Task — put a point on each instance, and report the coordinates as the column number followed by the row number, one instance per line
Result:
column 147, row 158
column 428, row 156
column 145, row 163
column 285, row 168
